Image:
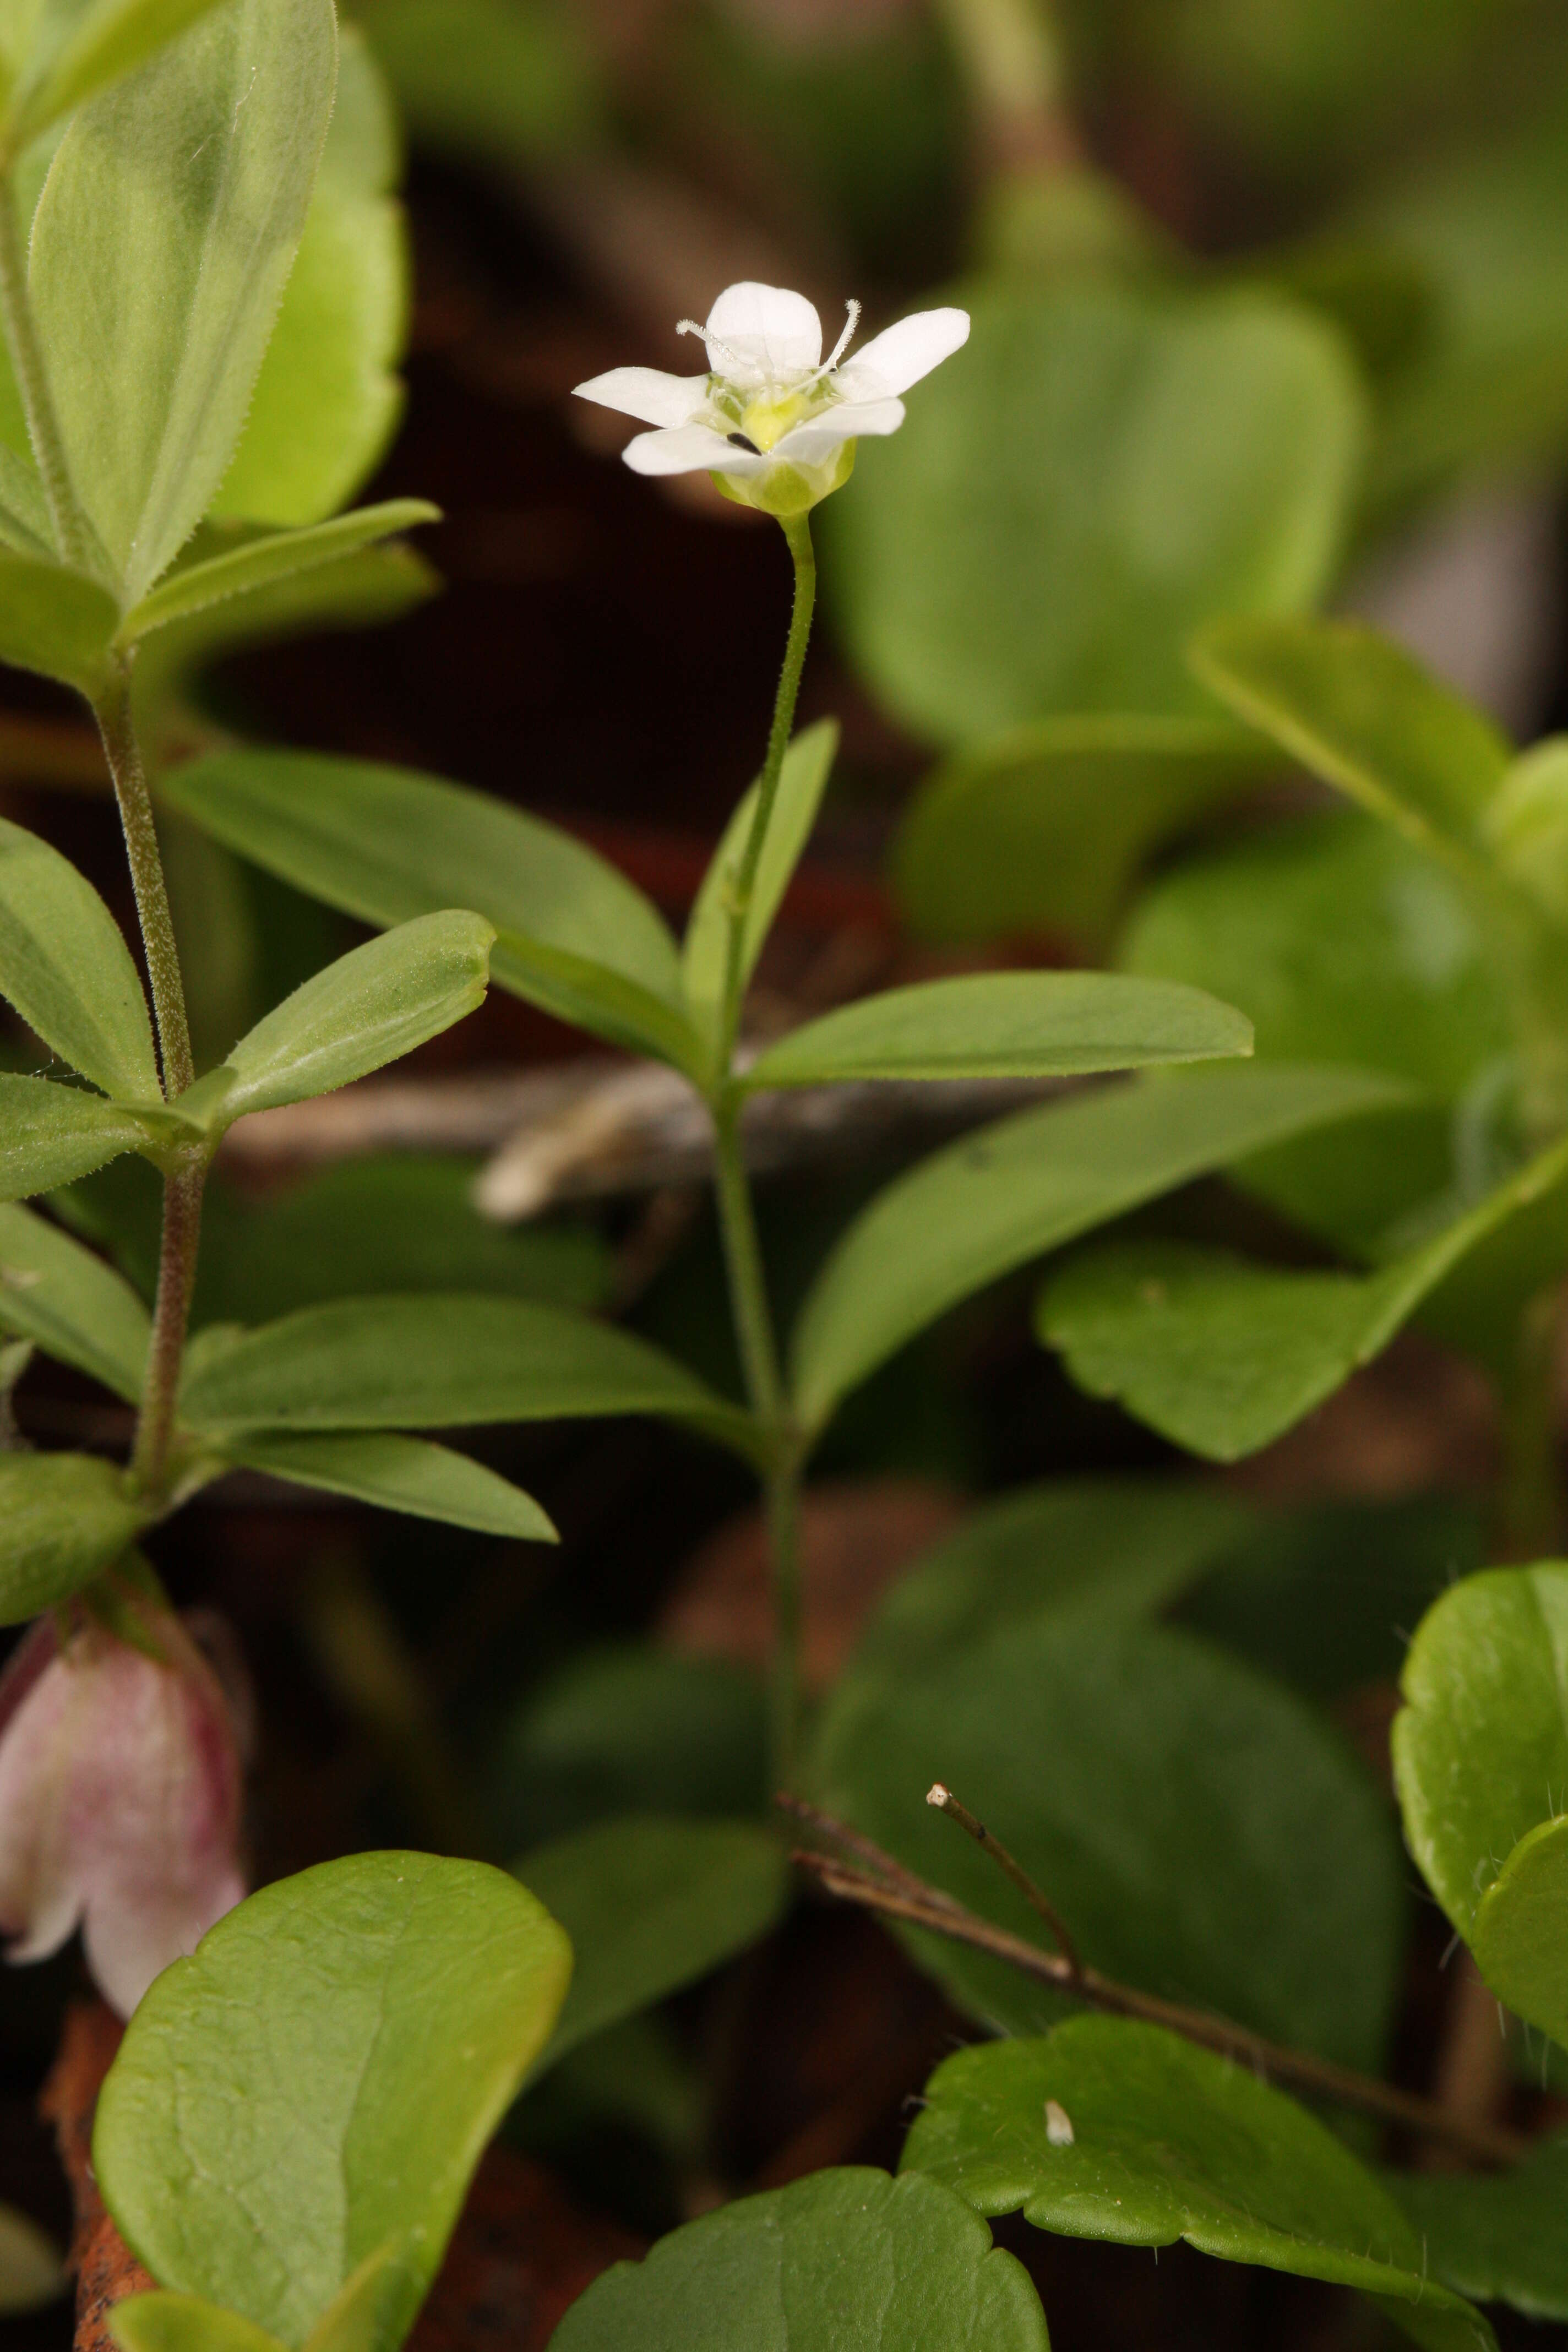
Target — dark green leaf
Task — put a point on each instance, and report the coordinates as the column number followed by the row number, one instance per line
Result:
column 435, row 1362
column 400, row 1474
column 1500, row 2239
column 64, row 966
column 1012, row 1191
column 51, row 1134
column 64, row 1517
column 56, row 1294
column 1168, row 2141
column 385, row 844
column 1006, row 1024
column 504, row 82
column 55, row 621
column 321, row 2079
column 1360, row 712
column 257, row 563
column 160, row 250
column 651, row 1905
column 1202, row 1831
column 704, row 953
column 1098, row 471
column 1044, row 829
column 840, row 2259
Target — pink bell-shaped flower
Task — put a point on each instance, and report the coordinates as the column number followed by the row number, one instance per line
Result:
column 120, row 1801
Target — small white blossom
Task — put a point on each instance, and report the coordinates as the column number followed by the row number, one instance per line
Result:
column 774, row 422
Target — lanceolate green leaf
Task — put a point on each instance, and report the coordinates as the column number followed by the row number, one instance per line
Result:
column 64, row 966
column 803, row 780
column 376, row 1003
column 1007, row 1025
column 651, row 1905
column 52, row 1134
column 398, row 1473
column 434, row 1362
column 840, row 2259
column 104, row 41
column 1012, row 1191
column 75, row 1309
column 321, row 2079
column 1498, row 2239
column 257, row 563
column 54, row 621
column 1155, row 2139
column 159, row 249
column 1203, row 1834
column 64, row 1517
column 1357, row 710
column 385, row 844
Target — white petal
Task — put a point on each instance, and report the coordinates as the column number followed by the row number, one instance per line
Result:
column 763, row 334
column 900, row 355
column 689, row 449
column 810, row 442
column 647, row 393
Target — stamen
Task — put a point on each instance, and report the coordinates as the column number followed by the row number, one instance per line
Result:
column 741, row 442
column 839, row 348
column 692, row 327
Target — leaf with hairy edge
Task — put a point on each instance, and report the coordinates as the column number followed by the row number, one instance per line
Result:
column 159, row 249
column 102, row 43
column 257, row 564
column 1115, row 2130
column 704, row 955
column 69, row 1304
column 1006, row 1024
column 1357, row 710
column 398, row 1473
column 64, row 966
column 1500, row 2238
column 1014, row 1190
column 1204, row 1832
column 445, row 1362
column 64, row 1517
column 384, row 844
column 840, row 2259
column 55, row 621
column 320, row 2080
column 1480, row 1758
column 52, row 1134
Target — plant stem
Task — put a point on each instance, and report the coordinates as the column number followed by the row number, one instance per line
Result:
column 897, row 1895
column 33, row 383
column 1011, row 55
column 1529, row 1504
column 184, row 1177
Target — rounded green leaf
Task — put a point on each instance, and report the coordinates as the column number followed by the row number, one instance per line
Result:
column 840, row 2259
column 64, row 1517
column 1520, row 1933
column 321, row 2078
column 1201, row 1831
column 1499, row 2238
column 651, row 1905
column 1006, row 1024
column 69, row 1303
column 1123, row 2131
column 64, row 966
column 1098, row 471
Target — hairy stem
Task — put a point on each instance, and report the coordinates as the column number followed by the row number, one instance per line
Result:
column 33, row 383
column 898, row 1895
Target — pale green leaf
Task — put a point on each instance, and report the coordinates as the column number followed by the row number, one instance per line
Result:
column 384, row 844
column 1012, row 1191
column 64, row 1517
column 64, row 966
column 160, row 250
column 328, row 398
column 1099, row 470
column 1526, row 825
column 55, row 621
column 182, row 2323
column 704, row 955
column 1521, row 1931
column 1499, row 2238
column 1361, row 713
column 322, row 2078
column 840, row 2259
column 75, row 1309
column 1169, row 2141
column 436, row 1361
column 651, row 1904
column 1006, row 1024
column 398, row 1474
column 1204, row 1832
column 373, row 1004
column 259, row 563
column 102, row 43
column 52, row 1134
column 31, row 2271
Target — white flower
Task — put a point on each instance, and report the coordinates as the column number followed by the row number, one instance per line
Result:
column 774, row 422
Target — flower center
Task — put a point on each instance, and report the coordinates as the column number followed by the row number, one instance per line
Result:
column 766, row 419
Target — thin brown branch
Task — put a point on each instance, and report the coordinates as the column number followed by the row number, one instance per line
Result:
column 946, row 1802
column 926, row 1906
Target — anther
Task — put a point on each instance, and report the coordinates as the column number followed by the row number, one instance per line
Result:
column 741, row 442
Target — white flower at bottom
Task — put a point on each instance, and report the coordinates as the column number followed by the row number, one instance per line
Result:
column 774, row 422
